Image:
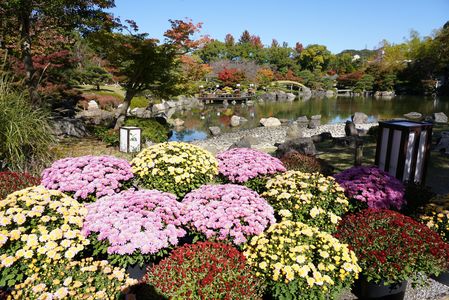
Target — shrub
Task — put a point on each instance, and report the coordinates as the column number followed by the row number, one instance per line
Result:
column 134, row 227
column 88, row 177
column 104, row 100
column 85, row 279
column 392, row 247
column 205, row 270
column 11, row 182
column 296, row 161
column 248, row 166
column 227, row 212
column 370, row 185
column 301, row 262
column 152, row 130
column 25, row 133
column 312, row 198
column 40, row 226
column 174, row 167
column 108, row 135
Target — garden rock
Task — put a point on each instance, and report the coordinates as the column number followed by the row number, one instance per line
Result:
column 176, row 122
column 413, row 115
column 235, row 121
column 270, row 122
column 269, row 96
column 440, row 117
column 330, row 94
column 443, row 143
column 290, row 96
column 318, row 138
column 359, row 118
column 347, row 141
column 92, row 105
column 303, row 145
column 244, row 142
column 315, row 121
column 159, row 107
column 350, row 129
column 294, row 131
column 96, row 117
column 69, row 127
column 215, row 130
column 302, row 121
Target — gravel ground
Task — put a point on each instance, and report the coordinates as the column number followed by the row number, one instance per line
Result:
column 268, row 136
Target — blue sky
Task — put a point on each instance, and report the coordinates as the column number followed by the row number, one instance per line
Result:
column 338, row 24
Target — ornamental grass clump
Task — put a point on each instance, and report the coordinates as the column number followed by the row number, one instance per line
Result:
column 226, row 212
column 248, row 167
column 40, row 226
column 391, row 247
column 205, row 270
column 300, row 262
column 134, row 227
column 11, row 182
column 373, row 187
column 85, row 279
column 88, row 178
column 311, row 198
column 174, row 167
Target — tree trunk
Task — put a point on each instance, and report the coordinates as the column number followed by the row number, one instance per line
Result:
column 31, row 75
column 120, row 120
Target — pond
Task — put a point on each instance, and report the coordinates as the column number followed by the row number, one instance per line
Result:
column 332, row 110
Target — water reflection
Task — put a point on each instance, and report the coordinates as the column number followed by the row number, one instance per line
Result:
column 336, row 110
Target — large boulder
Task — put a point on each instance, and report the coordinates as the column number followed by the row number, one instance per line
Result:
column 269, row 96
column 413, row 115
column 359, row 118
column 92, row 105
column 350, row 129
column 176, row 122
column 159, row 107
column 302, row 122
column 303, row 145
column 215, row 130
column 439, row 117
column 270, row 122
column 68, row 127
column 96, row 117
column 318, row 138
column 330, row 94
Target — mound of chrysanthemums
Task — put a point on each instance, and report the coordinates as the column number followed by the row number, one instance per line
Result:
column 248, row 167
column 312, row 198
column 300, row 262
column 38, row 227
column 134, row 227
column 174, row 167
column 87, row 178
column 226, row 212
column 373, row 187
column 205, row 270
column 85, row 279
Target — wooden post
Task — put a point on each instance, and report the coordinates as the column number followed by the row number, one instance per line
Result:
column 358, row 153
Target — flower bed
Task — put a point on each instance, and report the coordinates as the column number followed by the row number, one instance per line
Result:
column 174, row 167
column 311, row 198
column 134, row 227
column 437, row 219
column 205, row 270
column 85, row 279
column 392, row 247
column 372, row 186
column 227, row 212
column 248, row 167
column 11, row 182
column 38, row 225
column 88, row 177
column 300, row 262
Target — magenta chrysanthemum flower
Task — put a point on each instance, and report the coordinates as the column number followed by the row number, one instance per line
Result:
column 373, row 186
column 87, row 176
column 238, row 165
column 227, row 211
column 142, row 222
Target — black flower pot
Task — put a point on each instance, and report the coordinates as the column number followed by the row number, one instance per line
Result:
column 373, row 291
column 443, row 278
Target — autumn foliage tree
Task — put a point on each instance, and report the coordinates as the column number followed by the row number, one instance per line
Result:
column 230, row 77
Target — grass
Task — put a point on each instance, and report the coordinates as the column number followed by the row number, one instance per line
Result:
column 117, row 91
